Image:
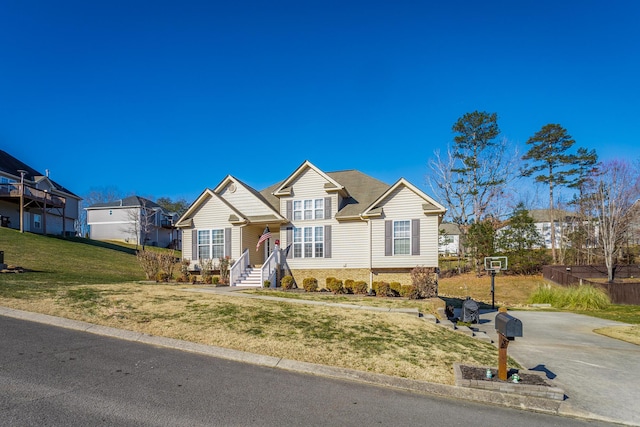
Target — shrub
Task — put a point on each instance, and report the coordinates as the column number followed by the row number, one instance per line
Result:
column 149, row 263
column 310, row 284
column 184, row 269
column 208, row 280
column 161, row 276
column 287, row 282
column 528, row 262
column 375, row 286
column 328, row 281
column 225, row 264
column 266, row 283
column 215, row 280
column 349, row 285
column 360, row 287
column 167, row 262
column 335, row 286
column 384, row 290
column 206, row 269
column 407, row 290
column 194, row 279
column 424, row 279
column 396, row 286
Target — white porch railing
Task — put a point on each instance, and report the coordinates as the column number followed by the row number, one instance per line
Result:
column 268, row 270
column 239, row 267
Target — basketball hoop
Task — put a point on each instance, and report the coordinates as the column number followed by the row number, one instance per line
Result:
column 495, row 264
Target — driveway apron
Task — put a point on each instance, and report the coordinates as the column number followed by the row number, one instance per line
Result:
column 598, row 374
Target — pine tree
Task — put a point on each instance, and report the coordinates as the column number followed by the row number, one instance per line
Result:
column 552, row 165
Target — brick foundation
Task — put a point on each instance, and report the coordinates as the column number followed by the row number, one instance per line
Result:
column 402, row 276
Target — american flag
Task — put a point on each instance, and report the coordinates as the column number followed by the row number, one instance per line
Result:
column 265, row 235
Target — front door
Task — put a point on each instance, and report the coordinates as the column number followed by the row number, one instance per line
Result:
column 266, row 249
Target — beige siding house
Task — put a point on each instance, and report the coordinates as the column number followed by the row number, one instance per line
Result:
column 343, row 224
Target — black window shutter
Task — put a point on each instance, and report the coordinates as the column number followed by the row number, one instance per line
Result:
column 227, row 242
column 327, row 207
column 327, row 241
column 194, row 245
column 289, row 210
column 289, row 242
column 388, row 238
column 415, row 237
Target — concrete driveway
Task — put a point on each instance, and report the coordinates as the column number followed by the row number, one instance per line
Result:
column 599, row 374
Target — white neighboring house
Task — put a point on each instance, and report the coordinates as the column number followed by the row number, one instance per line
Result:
column 342, row 224
column 449, row 239
column 133, row 220
column 47, row 206
column 564, row 223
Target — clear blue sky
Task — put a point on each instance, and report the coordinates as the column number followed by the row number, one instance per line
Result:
column 165, row 98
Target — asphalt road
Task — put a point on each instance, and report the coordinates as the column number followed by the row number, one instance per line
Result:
column 51, row 376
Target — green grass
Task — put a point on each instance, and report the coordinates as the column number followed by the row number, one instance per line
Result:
column 53, row 262
column 618, row 312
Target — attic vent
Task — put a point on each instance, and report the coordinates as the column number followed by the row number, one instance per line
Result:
column 232, row 188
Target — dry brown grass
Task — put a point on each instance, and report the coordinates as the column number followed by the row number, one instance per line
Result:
column 387, row 343
column 629, row 334
column 511, row 291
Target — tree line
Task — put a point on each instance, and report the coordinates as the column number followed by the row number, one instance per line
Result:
column 475, row 180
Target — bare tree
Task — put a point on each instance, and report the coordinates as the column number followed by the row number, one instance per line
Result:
column 613, row 198
column 471, row 200
column 142, row 221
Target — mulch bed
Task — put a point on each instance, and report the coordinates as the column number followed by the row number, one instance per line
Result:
column 477, row 373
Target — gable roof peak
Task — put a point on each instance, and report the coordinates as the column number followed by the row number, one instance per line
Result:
column 284, row 189
column 429, row 206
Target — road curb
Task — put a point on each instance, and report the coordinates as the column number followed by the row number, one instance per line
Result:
column 530, row 403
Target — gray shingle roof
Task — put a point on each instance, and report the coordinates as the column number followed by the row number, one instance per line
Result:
column 542, row 215
column 11, row 165
column 363, row 190
column 131, row 201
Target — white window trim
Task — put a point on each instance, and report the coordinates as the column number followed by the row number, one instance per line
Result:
column 395, row 238
column 299, row 241
column 211, row 245
column 315, row 212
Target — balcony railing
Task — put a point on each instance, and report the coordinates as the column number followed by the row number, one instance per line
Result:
column 13, row 191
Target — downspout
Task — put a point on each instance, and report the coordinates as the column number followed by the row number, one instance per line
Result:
column 370, row 252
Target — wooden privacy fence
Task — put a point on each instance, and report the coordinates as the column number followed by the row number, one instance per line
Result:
column 620, row 293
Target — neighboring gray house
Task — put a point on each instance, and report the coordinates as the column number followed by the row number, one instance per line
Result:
column 449, row 239
column 133, row 220
column 46, row 206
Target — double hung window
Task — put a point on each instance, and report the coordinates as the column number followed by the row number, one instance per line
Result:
column 308, row 209
column 308, row 242
column 210, row 244
column 401, row 237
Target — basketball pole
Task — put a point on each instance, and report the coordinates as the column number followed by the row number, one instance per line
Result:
column 493, row 289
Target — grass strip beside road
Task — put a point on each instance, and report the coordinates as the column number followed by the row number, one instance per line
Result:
column 380, row 342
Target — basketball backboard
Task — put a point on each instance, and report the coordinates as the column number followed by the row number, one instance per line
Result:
column 495, row 263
